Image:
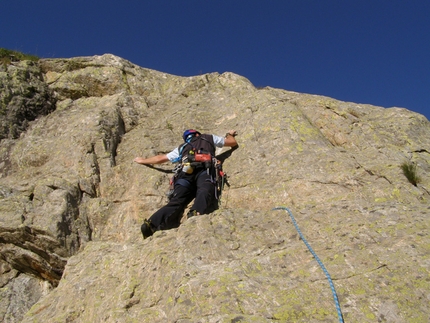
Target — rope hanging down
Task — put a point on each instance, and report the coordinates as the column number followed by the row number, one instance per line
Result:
column 336, row 301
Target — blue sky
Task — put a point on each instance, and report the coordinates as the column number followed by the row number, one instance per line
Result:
column 363, row 51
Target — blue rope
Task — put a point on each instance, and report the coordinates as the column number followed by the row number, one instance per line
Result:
column 336, row 301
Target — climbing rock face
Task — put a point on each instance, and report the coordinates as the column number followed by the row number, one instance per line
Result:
column 24, row 96
column 72, row 202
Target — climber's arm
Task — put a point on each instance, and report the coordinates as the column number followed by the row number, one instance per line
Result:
column 158, row 159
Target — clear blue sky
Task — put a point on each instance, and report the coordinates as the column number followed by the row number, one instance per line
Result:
column 363, row 51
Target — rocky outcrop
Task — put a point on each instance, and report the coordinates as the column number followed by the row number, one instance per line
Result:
column 72, row 202
column 24, row 96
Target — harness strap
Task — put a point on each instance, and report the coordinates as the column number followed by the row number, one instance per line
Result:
column 183, row 182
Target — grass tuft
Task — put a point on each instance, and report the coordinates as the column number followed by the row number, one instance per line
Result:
column 410, row 171
column 8, row 56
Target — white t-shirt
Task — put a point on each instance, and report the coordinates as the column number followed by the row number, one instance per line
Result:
column 174, row 154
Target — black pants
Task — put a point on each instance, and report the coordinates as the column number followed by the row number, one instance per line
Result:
column 201, row 188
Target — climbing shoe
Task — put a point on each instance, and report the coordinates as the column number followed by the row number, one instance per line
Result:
column 192, row 213
column 146, row 229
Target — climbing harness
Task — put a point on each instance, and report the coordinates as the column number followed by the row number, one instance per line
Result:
column 336, row 301
column 219, row 178
column 196, row 158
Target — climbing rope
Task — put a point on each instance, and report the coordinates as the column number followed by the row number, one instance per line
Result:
column 336, row 301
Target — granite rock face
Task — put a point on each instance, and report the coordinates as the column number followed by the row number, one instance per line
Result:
column 72, row 201
column 24, row 96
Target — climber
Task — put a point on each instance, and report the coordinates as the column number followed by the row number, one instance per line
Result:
column 195, row 179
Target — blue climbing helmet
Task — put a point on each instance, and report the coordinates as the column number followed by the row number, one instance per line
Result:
column 188, row 134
